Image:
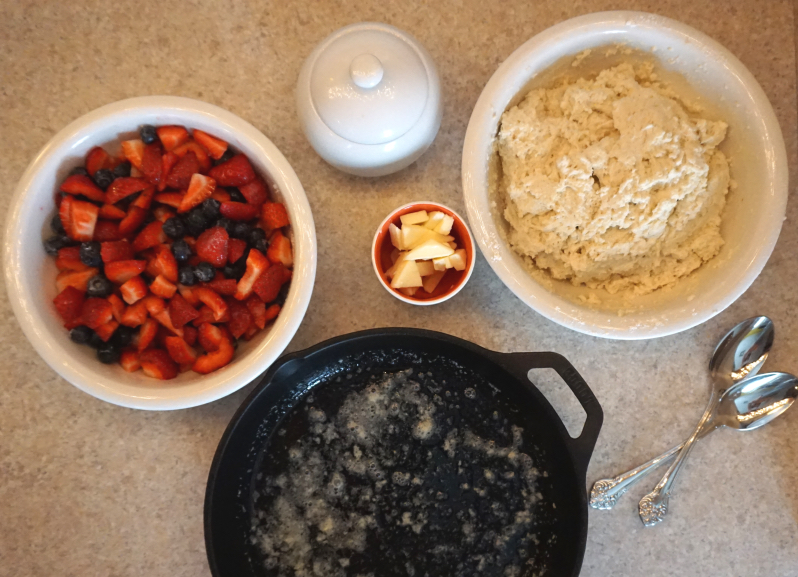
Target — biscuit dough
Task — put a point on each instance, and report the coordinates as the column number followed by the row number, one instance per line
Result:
column 610, row 183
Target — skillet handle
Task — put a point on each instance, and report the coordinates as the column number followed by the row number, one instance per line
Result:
column 582, row 447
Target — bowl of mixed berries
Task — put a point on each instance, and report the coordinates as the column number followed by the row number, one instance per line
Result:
column 160, row 253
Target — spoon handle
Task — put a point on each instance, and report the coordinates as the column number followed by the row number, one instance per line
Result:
column 606, row 492
column 654, row 506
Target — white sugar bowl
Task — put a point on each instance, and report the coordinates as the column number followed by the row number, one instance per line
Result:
column 369, row 99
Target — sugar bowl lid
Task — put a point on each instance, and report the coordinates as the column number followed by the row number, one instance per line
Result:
column 369, row 99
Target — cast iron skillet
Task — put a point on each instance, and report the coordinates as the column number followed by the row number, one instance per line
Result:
column 232, row 480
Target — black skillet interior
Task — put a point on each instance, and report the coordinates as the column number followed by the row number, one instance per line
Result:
column 331, row 369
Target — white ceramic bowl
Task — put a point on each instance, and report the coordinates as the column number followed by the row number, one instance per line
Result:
column 755, row 209
column 30, row 273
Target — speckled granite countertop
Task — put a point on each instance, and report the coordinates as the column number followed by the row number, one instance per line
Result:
column 87, row 488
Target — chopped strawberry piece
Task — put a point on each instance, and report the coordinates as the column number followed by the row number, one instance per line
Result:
column 134, row 219
column 129, row 359
column 205, row 316
column 162, row 213
column 213, row 300
column 188, row 293
column 107, row 231
column 274, row 216
column 255, row 192
column 258, row 310
column 158, row 364
column 111, row 212
column 166, row 322
column 199, row 189
column 164, row 263
column 162, row 287
column 251, row 332
column 95, row 312
column 123, row 187
column 135, row 314
column 180, row 351
column 69, row 259
column 216, row 147
column 83, row 220
column 78, row 184
column 240, row 318
column 133, row 290
column 172, row 199
column 96, row 159
column 280, row 250
column 65, row 213
column 256, row 265
column 181, row 312
column 117, row 250
column 268, row 285
column 235, row 249
column 212, row 246
column 190, row 335
column 147, row 334
column 151, row 164
column 117, row 307
column 172, row 136
column 168, row 162
column 272, row 312
column 154, row 304
column 221, row 195
column 150, row 236
column 145, row 198
column 235, row 172
column 238, row 210
column 180, row 175
column 133, row 150
column 214, row 360
column 106, row 331
column 68, row 303
column 202, row 156
column 210, row 336
column 224, row 286
column 78, row 279
column 121, row 271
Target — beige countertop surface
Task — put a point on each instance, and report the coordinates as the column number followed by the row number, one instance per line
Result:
column 87, row 488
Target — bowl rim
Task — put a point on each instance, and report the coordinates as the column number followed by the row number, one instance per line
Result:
column 380, row 235
column 205, row 388
column 474, row 173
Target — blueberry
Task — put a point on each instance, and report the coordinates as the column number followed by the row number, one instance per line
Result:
column 195, row 221
column 122, row 170
column 228, row 154
column 241, row 230
column 103, row 178
column 81, row 334
column 181, row 250
column 210, row 208
column 186, row 276
column 147, row 133
column 238, row 268
column 95, row 341
column 90, row 254
column 235, row 194
column 204, row 272
column 79, row 171
column 99, row 286
column 174, row 228
column 107, row 353
column 56, row 225
column 255, row 235
column 122, row 336
column 262, row 245
column 55, row 243
column 226, row 224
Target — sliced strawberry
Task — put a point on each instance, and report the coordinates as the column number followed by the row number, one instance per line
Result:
column 78, row 279
column 235, row 249
column 216, row 147
column 135, row 314
column 158, row 364
column 239, row 210
column 272, row 312
column 212, row 246
column 235, row 172
column 147, row 334
column 256, row 265
column 144, row 200
column 268, row 285
column 202, row 156
column 274, row 216
column 205, row 316
column 172, row 199
column 188, row 293
column 190, row 335
column 255, row 192
column 150, row 236
column 129, row 359
column 133, row 150
column 151, row 164
column 166, row 321
column 164, row 263
column 136, row 173
column 213, row 300
column 106, row 331
column 84, row 218
column 180, row 351
column 214, row 360
column 257, row 309
column 96, row 159
column 133, row 290
column 162, row 213
column 65, row 213
column 210, row 337
column 240, row 318
column 181, row 312
column 221, row 195
column 68, row 303
column 162, row 287
column 172, row 136
column 134, row 219
column 224, row 286
column 107, row 231
column 117, row 307
column 251, row 332
column 180, row 175
column 121, row 271
column 111, row 212
column 280, row 250
column 69, row 259
column 154, row 304
column 123, row 187
column 78, row 184
column 117, row 250
column 200, row 188
column 95, row 312
column 168, row 162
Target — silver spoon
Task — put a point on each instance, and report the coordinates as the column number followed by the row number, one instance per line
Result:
column 740, row 353
column 744, row 349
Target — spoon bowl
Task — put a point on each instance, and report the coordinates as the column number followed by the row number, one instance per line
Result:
column 756, row 401
column 742, row 352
